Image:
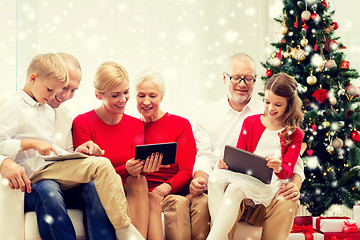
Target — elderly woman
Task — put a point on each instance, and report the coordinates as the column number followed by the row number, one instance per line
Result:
column 168, row 186
column 117, row 134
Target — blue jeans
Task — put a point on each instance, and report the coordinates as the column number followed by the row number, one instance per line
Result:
column 50, row 204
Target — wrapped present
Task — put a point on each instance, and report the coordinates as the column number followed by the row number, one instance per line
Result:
column 349, row 228
column 341, row 236
column 304, row 232
column 330, row 224
column 356, row 214
column 303, row 220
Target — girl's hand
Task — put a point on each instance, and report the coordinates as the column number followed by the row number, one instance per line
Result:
column 274, row 163
column 222, row 164
column 163, row 189
column 134, row 167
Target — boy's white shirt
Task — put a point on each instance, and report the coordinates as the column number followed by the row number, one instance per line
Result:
column 63, row 128
column 23, row 118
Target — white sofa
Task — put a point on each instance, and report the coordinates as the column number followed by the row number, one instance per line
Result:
column 15, row 225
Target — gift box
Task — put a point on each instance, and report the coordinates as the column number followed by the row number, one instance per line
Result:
column 341, row 236
column 304, row 232
column 303, row 220
column 330, row 224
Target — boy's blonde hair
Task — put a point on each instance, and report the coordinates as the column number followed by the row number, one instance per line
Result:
column 49, row 66
column 108, row 75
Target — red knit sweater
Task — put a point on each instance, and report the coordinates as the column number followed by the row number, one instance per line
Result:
column 250, row 135
column 118, row 140
column 172, row 128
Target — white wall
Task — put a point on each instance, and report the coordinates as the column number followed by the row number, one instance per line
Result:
column 186, row 40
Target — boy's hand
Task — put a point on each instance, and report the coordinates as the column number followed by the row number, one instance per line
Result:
column 90, row 148
column 16, row 175
column 222, row 164
column 134, row 167
column 274, row 163
column 42, row 147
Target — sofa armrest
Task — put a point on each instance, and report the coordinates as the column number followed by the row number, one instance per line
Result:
column 11, row 212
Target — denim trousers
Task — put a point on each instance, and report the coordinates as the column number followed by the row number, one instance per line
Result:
column 51, row 203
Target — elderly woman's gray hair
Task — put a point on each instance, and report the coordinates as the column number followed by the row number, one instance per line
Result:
column 153, row 76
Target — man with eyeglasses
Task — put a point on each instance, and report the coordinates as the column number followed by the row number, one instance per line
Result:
column 219, row 125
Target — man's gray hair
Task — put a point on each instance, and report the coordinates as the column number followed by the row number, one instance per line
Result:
column 239, row 57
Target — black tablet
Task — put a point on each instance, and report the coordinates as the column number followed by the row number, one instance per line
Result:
column 248, row 163
column 62, row 157
column 167, row 149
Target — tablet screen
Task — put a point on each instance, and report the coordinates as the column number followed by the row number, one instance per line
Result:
column 167, row 149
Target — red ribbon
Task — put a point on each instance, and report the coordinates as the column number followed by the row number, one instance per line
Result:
column 350, row 228
column 307, row 230
column 304, row 25
column 317, row 226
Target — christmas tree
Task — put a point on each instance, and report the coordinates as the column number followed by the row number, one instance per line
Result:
column 310, row 52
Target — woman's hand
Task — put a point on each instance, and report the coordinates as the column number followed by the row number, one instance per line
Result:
column 289, row 191
column 163, row 189
column 153, row 162
column 222, row 164
column 134, row 167
column 274, row 163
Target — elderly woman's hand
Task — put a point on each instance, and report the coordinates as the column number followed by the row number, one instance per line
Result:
column 153, row 162
column 134, row 167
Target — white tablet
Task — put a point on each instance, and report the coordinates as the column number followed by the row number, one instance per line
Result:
column 62, row 157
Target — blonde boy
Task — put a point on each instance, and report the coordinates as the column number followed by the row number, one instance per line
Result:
column 26, row 135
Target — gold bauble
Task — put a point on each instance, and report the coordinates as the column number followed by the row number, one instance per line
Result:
column 311, row 80
column 283, row 29
column 306, row 15
column 330, row 64
column 298, row 53
column 326, row 124
column 304, row 42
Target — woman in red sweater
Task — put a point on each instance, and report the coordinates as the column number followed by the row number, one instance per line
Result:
column 168, row 186
column 117, row 134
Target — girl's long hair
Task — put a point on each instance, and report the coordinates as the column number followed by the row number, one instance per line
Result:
column 285, row 86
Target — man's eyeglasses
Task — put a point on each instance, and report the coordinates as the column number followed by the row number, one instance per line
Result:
column 248, row 79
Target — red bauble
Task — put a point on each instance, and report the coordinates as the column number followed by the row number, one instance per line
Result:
column 324, row 3
column 268, row 73
column 314, row 16
column 355, row 135
column 345, row 64
column 335, row 25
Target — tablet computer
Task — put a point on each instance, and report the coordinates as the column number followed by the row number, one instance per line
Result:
column 62, row 157
column 248, row 163
column 167, row 149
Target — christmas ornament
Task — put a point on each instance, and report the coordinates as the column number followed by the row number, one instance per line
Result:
column 268, row 73
column 349, row 113
column 327, row 43
column 310, row 152
column 311, row 80
column 324, row 3
column 305, row 15
column 345, row 65
column 304, row 42
column 283, row 29
column 325, row 124
column 275, row 62
column 298, row 53
column 286, row 54
column 332, row 101
column 314, row 127
column 320, row 95
column 335, row 25
column 355, row 136
column 315, row 16
column 330, row 64
column 337, row 143
column 352, row 90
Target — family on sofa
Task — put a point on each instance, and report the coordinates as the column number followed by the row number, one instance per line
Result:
column 124, row 198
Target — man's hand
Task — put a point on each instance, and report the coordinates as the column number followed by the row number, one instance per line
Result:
column 16, row 175
column 289, row 191
column 90, row 148
column 42, row 147
column 197, row 186
column 134, row 167
column 163, row 189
